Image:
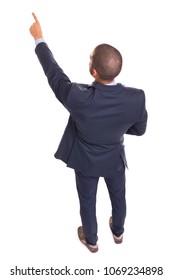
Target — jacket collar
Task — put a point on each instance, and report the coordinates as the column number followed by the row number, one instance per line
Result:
column 106, row 87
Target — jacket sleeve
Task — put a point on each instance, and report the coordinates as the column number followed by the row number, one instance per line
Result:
column 139, row 127
column 58, row 80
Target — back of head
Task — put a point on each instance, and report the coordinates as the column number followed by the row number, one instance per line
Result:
column 107, row 61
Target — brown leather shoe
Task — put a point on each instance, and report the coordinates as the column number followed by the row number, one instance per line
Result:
column 91, row 248
column 117, row 239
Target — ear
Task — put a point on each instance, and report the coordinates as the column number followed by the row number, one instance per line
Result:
column 94, row 73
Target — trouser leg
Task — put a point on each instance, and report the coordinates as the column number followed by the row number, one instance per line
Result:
column 116, row 189
column 87, row 190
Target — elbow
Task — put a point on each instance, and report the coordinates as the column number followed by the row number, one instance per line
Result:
column 141, row 133
column 136, row 132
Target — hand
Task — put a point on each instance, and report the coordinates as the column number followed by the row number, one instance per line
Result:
column 35, row 28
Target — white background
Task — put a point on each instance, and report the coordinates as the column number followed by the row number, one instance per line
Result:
column 38, row 200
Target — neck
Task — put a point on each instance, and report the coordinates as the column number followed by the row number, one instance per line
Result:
column 104, row 82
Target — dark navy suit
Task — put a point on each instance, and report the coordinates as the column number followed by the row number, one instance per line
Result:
column 92, row 143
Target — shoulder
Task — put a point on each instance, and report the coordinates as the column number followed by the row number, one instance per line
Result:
column 132, row 95
column 133, row 90
column 80, row 94
column 81, row 89
column 137, row 93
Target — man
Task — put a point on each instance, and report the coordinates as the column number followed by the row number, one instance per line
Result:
column 92, row 144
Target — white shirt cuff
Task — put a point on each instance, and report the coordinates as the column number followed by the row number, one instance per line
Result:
column 38, row 41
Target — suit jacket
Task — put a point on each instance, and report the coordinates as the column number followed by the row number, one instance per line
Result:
column 100, row 115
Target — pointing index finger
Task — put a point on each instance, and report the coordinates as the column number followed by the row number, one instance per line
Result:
column 35, row 18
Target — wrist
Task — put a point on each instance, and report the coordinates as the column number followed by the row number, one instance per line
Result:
column 38, row 37
column 39, row 40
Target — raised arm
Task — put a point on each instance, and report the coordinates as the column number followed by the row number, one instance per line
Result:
column 58, row 80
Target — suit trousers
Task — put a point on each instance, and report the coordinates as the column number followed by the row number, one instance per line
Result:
column 87, row 191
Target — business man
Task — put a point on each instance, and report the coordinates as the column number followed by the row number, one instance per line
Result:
column 92, row 144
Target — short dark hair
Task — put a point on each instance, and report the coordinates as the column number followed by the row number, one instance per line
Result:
column 107, row 61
